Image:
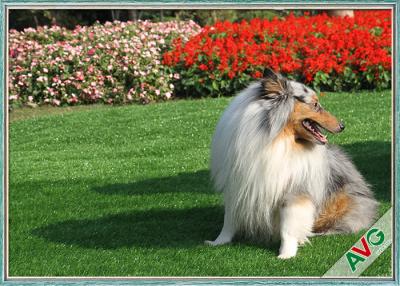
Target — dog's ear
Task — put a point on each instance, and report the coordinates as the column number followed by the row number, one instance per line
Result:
column 274, row 84
column 269, row 73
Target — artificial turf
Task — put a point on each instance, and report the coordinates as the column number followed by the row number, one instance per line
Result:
column 125, row 191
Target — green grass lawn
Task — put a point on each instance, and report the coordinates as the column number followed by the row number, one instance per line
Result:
column 125, row 191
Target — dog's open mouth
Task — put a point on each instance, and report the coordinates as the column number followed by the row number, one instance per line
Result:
column 314, row 128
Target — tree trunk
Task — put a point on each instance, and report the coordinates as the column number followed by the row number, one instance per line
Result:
column 133, row 15
column 54, row 15
column 115, row 14
column 214, row 16
column 341, row 13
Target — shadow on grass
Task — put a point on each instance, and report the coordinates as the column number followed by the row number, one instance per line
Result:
column 184, row 228
column 154, row 228
column 196, row 182
column 373, row 160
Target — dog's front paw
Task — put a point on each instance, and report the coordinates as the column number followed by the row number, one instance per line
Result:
column 211, row 243
column 216, row 242
column 288, row 249
column 286, row 255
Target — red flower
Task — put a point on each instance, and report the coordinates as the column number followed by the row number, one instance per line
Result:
column 203, row 67
column 301, row 46
column 257, row 74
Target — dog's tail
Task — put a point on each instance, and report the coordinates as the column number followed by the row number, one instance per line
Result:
column 346, row 212
column 335, row 208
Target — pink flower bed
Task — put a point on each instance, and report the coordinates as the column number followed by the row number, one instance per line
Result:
column 117, row 62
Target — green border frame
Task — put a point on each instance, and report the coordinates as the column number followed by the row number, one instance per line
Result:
column 201, row 281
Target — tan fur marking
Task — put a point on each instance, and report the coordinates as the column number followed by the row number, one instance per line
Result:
column 302, row 111
column 294, row 128
column 300, row 200
column 289, row 132
column 303, row 200
column 273, row 86
column 335, row 208
column 324, row 118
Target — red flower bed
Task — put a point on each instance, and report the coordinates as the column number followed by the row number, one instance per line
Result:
column 331, row 53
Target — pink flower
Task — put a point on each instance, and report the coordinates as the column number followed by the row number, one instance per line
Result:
column 132, row 47
column 73, row 99
column 13, row 53
column 79, row 75
column 41, row 79
column 91, row 52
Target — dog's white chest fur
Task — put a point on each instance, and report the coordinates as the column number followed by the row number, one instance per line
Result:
column 279, row 172
column 287, row 169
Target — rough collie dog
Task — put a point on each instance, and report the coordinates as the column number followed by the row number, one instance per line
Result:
column 278, row 175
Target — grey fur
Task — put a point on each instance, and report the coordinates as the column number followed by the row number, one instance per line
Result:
column 343, row 175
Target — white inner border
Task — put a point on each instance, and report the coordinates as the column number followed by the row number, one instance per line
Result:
column 186, row 6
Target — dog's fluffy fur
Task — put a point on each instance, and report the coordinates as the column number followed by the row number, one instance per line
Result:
column 278, row 177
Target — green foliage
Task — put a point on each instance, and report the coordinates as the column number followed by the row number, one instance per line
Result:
column 210, row 17
column 21, row 18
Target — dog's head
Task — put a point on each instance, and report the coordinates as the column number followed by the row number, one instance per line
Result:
column 307, row 117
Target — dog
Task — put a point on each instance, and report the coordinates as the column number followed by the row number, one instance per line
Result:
column 279, row 177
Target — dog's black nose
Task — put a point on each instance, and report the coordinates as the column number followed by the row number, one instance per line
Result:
column 341, row 126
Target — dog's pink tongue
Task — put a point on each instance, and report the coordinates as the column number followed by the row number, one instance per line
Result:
column 322, row 138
